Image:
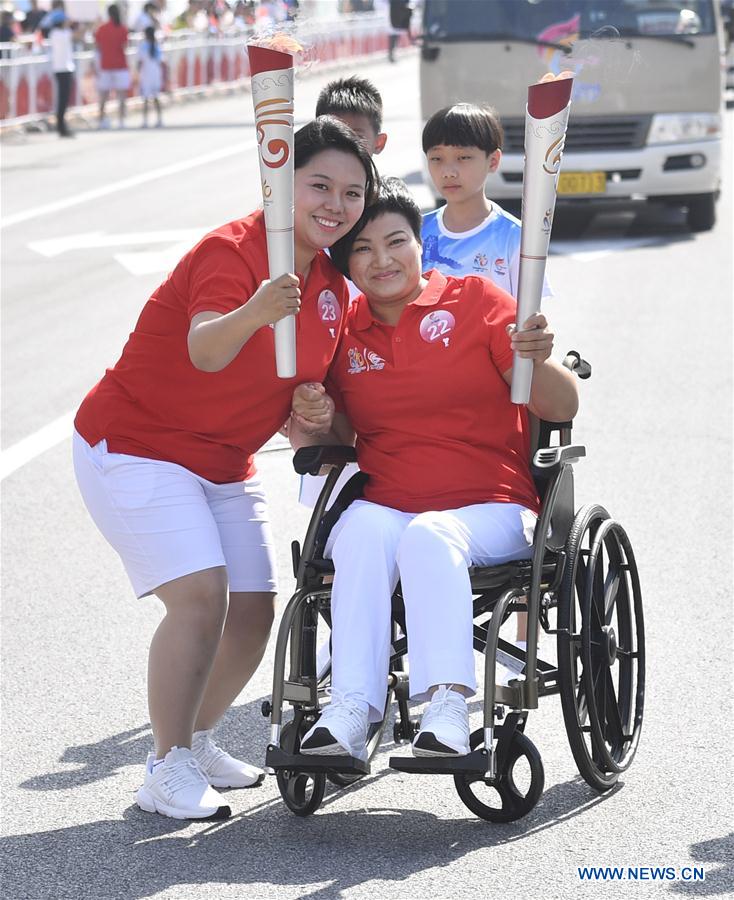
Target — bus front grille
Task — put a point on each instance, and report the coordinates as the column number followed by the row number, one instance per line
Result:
column 588, row 135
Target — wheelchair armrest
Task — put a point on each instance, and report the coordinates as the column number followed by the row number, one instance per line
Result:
column 312, row 460
column 548, row 460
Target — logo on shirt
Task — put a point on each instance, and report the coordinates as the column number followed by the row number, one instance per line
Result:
column 437, row 326
column 375, row 362
column 500, row 266
column 329, row 310
column 366, row 361
column 480, row 262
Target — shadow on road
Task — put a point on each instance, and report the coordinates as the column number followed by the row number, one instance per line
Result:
column 264, row 847
column 719, row 880
column 242, row 731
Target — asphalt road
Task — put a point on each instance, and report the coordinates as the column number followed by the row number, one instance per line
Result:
column 90, row 227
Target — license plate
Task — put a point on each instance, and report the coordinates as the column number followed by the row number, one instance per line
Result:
column 582, row 183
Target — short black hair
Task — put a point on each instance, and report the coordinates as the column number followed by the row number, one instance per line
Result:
column 329, row 133
column 354, row 96
column 464, row 125
column 393, row 196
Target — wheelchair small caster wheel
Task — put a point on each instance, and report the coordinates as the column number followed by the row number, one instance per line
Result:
column 516, row 788
column 266, row 709
column 301, row 791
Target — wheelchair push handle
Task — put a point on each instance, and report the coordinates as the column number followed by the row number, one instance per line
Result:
column 574, row 362
column 312, row 460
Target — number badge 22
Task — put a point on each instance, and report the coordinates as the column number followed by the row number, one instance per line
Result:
column 437, row 326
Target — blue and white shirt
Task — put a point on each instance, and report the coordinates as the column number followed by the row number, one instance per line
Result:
column 491, row 249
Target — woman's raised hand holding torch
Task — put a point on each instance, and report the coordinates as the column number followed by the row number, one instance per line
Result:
column 271, row 67
column 546, row 120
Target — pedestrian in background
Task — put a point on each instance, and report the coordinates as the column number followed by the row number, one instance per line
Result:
column 112, row 71
column 150, row 67
column 147, row 18
column 62, row 61
column 33, row 17
column 7, row 33
column 400, row 14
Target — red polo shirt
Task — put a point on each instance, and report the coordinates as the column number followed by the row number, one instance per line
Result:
column 155, row 403
column 111, row 41
column 435, row 426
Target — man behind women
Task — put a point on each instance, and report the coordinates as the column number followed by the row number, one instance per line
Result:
column 356, row 102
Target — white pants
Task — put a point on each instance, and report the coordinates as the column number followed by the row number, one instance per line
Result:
column 166, row 522
column 375, row 546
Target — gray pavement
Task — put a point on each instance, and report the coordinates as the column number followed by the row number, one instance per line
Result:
column 647, row 302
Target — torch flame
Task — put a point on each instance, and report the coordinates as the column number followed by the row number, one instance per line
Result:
column 549, row 76
column 283, row 43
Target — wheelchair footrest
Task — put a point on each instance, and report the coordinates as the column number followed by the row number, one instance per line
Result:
column 473, row 763
column 278, row 759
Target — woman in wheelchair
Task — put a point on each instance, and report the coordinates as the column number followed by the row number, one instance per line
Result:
column 422, row 378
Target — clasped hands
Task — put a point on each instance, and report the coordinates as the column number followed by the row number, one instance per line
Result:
column 312, row 409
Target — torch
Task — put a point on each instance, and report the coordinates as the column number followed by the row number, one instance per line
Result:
column 271, row 68
column 549, row 103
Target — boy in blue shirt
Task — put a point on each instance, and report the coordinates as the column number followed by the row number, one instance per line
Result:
column 471, row 235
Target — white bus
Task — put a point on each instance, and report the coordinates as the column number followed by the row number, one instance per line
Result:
column 646, row 114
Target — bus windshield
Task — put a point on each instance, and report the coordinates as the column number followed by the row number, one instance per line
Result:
column 553, row 22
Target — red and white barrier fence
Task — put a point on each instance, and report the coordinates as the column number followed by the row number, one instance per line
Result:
column 191, row 64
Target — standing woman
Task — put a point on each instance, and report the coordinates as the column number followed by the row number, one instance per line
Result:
column 150, row 64
column 112, row 71
column 163, row 454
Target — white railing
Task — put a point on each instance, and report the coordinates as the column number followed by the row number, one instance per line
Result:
column 191, row 63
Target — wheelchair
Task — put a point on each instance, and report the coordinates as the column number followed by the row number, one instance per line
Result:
column 581, row 585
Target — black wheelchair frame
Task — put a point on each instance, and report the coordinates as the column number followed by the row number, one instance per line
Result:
column 582, row 569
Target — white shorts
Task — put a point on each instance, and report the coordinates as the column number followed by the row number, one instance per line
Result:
column 166, row 522
column 113, row 80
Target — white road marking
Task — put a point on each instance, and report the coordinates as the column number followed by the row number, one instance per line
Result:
column 35, row 444
column 148, row 262
column 133, row 181
column 59, row 430
column 93, row 240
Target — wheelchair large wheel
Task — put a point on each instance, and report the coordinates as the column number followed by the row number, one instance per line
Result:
column 517, row 787
column 302, row 792
column 601, row 648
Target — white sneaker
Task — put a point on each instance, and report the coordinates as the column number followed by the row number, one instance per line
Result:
column 340, row 731
column 444, row 727
column 104, row 124
column 178, row 788
column 221, row 769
